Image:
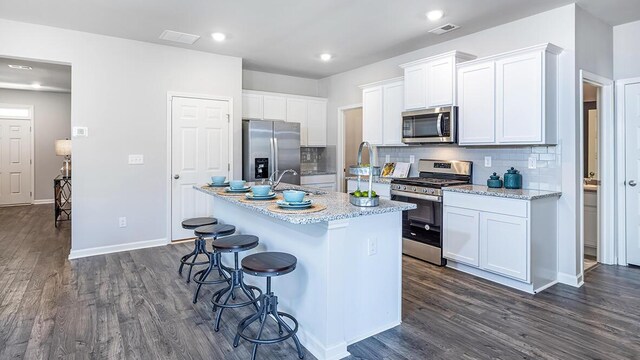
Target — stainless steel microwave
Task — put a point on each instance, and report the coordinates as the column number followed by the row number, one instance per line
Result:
column 438, row 125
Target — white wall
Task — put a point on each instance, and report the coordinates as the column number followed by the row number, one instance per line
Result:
column 119, row 91
column 626, row 50
column 52, row 121
column 262, row 81
column 556, row 26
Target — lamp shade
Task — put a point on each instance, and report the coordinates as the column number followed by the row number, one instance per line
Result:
column 63, row 147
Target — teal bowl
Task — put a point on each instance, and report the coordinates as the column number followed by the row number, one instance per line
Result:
column 237, row 184
column 218, row 180
column 261, row 190
column 293, row 195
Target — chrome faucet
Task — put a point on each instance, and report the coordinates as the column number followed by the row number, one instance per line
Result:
column 275, row 183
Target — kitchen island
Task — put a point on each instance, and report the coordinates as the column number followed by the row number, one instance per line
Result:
column 348, row 282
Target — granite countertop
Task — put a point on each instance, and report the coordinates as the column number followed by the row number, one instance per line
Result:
column 521, row 194
column 376, row 179
column 338, row 205
column 313, row 173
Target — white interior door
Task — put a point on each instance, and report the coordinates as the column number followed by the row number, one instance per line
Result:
column 632, row 118
column 199, row 150
column 15, row 162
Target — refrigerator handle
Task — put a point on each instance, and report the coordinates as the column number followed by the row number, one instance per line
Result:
column 275, row 158
column 272, row 159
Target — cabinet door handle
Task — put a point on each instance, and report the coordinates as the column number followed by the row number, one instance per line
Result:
column 176, row 176
column 632, row 183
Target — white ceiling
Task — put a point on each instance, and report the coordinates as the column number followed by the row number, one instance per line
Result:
column 287, row 36
column 51, row 77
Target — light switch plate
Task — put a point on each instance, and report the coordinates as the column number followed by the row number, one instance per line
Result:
column 487, row 161
column 412, row 159
column 387, row 158
column 136, row 159
column 532, row 162
column 80, row 131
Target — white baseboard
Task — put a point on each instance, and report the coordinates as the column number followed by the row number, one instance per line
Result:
column 315, row 347
column 43, row 201
column 571, row 280
column 101, row 250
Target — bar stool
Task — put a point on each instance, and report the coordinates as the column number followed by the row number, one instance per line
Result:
column 234, row 244
column 211, row 231
column 268, row 264
column 200, row 244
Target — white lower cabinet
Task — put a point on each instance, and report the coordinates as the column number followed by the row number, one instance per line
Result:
column 461, row 228
column 505, row 241
column 324, row 182
column 509, row 241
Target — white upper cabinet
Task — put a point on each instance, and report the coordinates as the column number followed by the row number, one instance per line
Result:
column 316, row 123
column 372, row 115
column 297, row 112
column 431, row 82
column 252, row 106
column 415, row 87
column 476, row 99
column 524, row 111
column 382, row 106
column 440, row 78
column 275, row 107
column 309, row 112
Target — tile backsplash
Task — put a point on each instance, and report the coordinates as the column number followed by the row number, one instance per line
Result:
column 546, row 175
column 318, row 159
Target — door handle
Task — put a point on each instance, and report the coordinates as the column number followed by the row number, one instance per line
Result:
column 176, row 176
column 632, row 183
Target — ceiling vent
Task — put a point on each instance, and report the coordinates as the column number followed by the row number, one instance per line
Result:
column 444, row 29
column 179, row 37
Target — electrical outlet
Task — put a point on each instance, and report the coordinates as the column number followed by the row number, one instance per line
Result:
column 80, row 131
column 532, row 162
column 412, row 159
column 487, row 161
column 122, row 222
column 372, row 247
column 387, row 158
column 137, row 159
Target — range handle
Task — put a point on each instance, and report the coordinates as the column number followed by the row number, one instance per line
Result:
column 417, row 196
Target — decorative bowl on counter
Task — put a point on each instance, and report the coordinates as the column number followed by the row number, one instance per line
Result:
column 364, row 201
column 261, row 190
column 293, row 195
column 364, row 170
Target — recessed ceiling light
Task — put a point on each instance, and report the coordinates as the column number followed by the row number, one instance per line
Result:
column 21, row 67
column 326, row 57
column 218, row 36
column 36, row 85
column 435, row 15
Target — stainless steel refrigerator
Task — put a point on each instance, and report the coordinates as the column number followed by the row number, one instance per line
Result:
column 268, row 147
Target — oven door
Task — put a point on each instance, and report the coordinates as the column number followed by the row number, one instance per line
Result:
column 422, row 227
column 428, row 126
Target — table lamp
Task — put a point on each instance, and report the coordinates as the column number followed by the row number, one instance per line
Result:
column 63, row 148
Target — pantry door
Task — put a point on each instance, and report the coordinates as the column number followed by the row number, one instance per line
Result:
column 16, row 173
column 632, row 121
column 199, row 150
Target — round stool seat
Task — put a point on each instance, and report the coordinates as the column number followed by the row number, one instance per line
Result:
column 193, row 223
column 235, row 243
column 269, row 264
column 215, row 230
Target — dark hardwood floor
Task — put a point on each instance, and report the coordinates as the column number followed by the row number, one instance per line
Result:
column 133, row 305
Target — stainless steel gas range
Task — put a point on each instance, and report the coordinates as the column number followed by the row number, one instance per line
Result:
column 421, row 228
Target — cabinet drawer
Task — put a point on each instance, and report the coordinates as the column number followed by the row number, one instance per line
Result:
column 484, row 203
column 317, row 179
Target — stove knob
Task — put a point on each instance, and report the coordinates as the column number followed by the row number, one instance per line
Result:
column 414, row 188
column 404, row 187
column 424, row 190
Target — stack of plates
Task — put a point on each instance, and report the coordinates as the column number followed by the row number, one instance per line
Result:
column 224, row 184
column 251, row 196
column 236, row 191
column 294, row 205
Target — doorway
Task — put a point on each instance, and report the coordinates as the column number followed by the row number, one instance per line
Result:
column 200, row 147
column 349, row 139
column 16, row 166
column 596, row 187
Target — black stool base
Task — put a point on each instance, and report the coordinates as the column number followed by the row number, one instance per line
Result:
column 236, row 282
column 201, row 276
column 190, row 259
column 268, row 306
